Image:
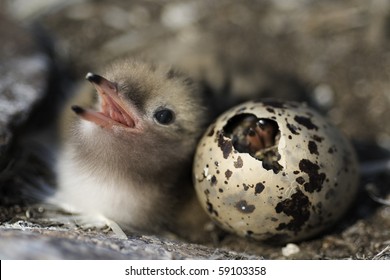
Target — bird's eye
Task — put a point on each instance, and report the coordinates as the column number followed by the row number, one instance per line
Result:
column 164, row 116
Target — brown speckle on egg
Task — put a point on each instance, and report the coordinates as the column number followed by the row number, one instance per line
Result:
column 300, row 180
column 259, row 188
column 292, row 128
column 316, row 179
column 238, row 163
column 225, row 145
column 211, row 131
column 317, row 138
column 228, row 174
column 313, row 147
column 210, row 209
column 307, row 122
column 213, row 180
column 244, row 207
column 298, row 208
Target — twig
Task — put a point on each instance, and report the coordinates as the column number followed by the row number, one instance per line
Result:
column 381, row 253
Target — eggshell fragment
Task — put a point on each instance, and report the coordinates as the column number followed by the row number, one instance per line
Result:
column 294, row 187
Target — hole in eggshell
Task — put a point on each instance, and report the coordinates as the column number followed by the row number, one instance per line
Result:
column 258, row 137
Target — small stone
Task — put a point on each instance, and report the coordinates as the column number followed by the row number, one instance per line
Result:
column 290, row 249
column 324, row 95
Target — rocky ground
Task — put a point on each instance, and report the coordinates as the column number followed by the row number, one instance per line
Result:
column 334, row 55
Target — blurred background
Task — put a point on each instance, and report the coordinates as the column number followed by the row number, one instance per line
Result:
column 338, row 51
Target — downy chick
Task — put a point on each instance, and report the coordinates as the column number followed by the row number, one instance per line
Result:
column 127, row 150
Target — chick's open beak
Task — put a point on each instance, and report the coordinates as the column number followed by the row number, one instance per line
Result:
column 114, row 112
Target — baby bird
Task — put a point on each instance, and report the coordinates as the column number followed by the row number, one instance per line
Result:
column 127, row 149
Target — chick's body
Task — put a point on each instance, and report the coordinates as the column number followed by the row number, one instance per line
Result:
column 127, row 154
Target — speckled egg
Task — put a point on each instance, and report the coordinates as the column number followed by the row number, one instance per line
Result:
column 275, row 171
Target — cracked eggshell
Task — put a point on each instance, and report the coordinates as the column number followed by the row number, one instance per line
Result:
column 315, row 184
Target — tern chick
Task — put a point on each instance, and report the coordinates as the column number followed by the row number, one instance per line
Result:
column 127, row 149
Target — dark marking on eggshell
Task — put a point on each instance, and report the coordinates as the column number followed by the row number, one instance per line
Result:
column 300, row 180
column 313, row 148
column 211, row 131
column 271, row 110
column 213, row 180
column 317, row 138
column 316, row 179
column 292, row 128
column 201, row 179
column 225, row 145
column 228, row 174
column 259, row 188
column 210, row 209
column 332, row 150
column 297, row 206
column 244, row 207
column 306, row 122
column 238, row 163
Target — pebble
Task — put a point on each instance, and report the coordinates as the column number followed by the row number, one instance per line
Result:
column 290, row 249
column 324, row 95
